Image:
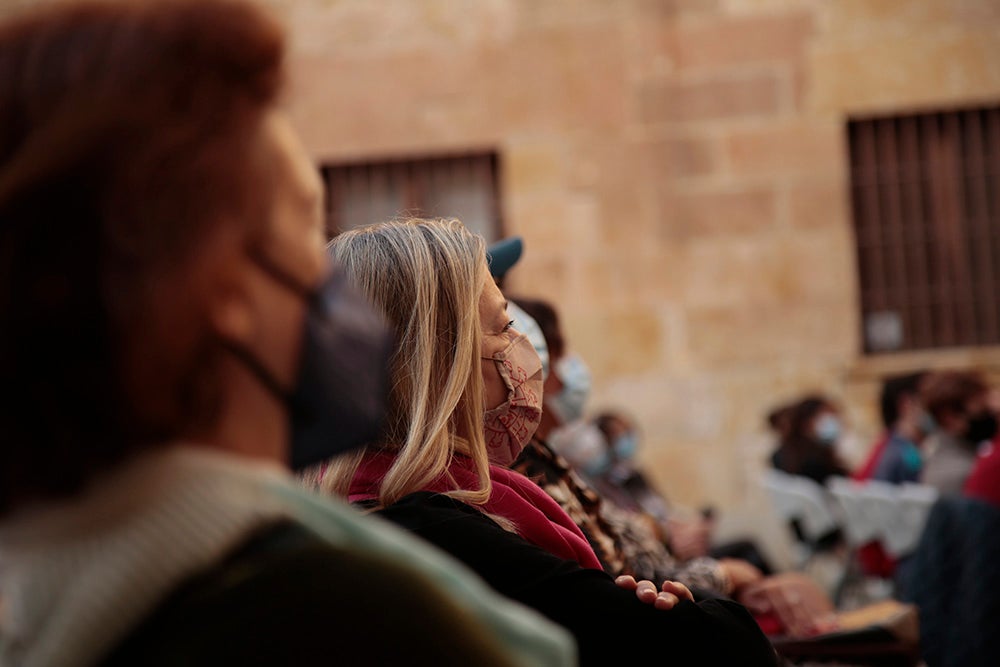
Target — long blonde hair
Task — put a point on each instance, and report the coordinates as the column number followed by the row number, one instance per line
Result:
column 427, row 277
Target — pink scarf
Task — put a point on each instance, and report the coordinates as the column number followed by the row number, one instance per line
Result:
column 536, row 517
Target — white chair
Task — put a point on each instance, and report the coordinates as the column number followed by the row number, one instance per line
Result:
column 802, row 500
column 860, row 526
column 892, row 514
column 914, row 506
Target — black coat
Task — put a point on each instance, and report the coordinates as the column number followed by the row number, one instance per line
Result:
column 610, row 624
column 954, row 578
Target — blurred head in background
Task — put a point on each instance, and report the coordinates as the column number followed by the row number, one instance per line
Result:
column 960, row 403
column 901, row 408
column 620, row 434
column 809, row 446
column 816, row 418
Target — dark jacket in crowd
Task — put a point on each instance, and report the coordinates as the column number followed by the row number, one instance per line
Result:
column 610, row 625
column 625, row 542
column 954, row 579
column 808, row 458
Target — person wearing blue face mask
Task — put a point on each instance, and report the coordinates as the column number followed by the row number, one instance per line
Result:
column 625, row 446
column 907, row 424
column 569, row 403
column 827, row 429
column 809, row 446
column 897, row 456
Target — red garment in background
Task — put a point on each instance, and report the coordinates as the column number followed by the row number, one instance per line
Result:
column 875, row 562
column 984, row 480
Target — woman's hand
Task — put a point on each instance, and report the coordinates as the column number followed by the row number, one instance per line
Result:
column 740, row 573
column 689, row 538
column 665, row 599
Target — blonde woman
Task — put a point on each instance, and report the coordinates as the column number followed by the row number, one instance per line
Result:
column 466, row 396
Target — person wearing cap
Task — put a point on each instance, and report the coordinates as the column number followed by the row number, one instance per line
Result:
column 568, row 385
column 501, row 258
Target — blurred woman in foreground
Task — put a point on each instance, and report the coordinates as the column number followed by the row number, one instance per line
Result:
column 172, row 338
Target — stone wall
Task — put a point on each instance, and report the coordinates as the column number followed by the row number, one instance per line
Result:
column 678, row 170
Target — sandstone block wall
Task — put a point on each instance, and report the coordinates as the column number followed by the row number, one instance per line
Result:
column 678, row 170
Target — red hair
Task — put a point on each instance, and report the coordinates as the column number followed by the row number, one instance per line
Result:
column 128, row 134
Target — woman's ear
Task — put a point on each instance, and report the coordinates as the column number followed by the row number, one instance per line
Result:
column 230, row 317
column 229, row 301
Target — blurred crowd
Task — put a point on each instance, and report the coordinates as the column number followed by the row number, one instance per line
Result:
column 939, row 446
column 231, row 440
column 938, row 429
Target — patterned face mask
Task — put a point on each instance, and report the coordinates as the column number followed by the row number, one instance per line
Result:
column 510, row 425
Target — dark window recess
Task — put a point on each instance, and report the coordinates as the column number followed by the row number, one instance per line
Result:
column 925, row 191
column 459, row 186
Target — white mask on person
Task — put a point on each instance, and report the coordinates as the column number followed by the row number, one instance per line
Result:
column 524, row 323
column 568, row 405
column 584, row 446
column 828, row 430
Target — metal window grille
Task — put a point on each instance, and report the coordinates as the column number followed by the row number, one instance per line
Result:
column 925, row 192
column 456, row 186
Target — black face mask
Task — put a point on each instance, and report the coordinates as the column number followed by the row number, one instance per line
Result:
column 338, row 401
column 982, row 427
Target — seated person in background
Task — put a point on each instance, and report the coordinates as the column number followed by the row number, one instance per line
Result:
column 630, row 542
column 960, row 403
column 690, row 538
column 173, row 337
column 779, row 420
column 953, row 576
column 626, row 542
column 465, row 399
column 906, row 424
column 896, row 457
column 809, row 448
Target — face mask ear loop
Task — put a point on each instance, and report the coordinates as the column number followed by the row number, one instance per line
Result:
column 263, row 375
column 281, row 276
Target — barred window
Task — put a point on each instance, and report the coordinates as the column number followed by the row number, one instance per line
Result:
column 925, row 191
column 455, row 186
